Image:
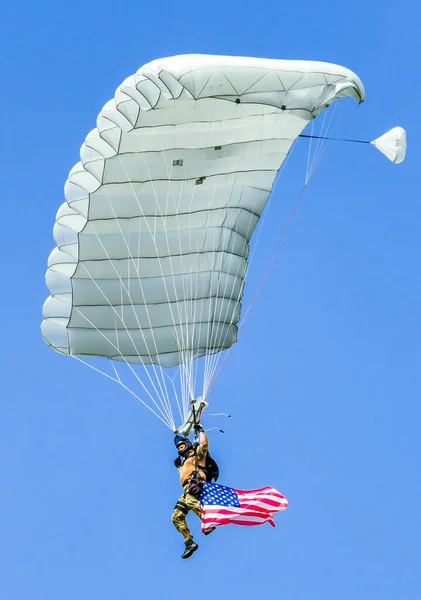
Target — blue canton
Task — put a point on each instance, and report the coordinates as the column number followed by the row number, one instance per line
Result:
column 214, row 493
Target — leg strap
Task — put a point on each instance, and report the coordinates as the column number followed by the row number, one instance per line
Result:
column 181, row 507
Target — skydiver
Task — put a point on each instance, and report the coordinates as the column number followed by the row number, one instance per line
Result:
column 191, row 462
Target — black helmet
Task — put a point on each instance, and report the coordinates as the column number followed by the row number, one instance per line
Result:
column 179, row 439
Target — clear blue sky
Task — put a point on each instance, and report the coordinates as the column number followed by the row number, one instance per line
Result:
column 324, row 385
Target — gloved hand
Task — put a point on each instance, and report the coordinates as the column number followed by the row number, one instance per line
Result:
column 177, row 462
column 198, row 427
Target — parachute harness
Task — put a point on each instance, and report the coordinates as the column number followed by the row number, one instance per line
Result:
column 195, row 483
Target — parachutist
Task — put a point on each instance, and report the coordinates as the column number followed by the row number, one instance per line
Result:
column 196, row 466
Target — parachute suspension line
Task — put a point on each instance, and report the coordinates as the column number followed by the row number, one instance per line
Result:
column 190, row 305
column 323, row 141
column 118, row 380
column 211, row 312
column 175, row 393
column 153, row 236
column 242, row 268
column 212, row 337
column 164, row 216
column 262, row 280
column 214, row 358
column 184, row 366
column 311, row 155
column 265, row 210
column 127, row 363
column 162, row 394
column 213, row 303
column 193, row 305
column 183, row 307
column 188, row 364
column 217, row 340
column 123, row 286
column 218, row 356
column 187, row 355
column 309, row 175
column 116, row 372
column 268, row 204
column 312, row 161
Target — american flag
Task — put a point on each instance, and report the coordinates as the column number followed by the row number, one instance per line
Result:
column 223, row 505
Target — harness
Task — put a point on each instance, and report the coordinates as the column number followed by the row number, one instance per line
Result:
column 194, row 484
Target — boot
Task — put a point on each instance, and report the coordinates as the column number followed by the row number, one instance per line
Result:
column 191, row 547
column 208, row 530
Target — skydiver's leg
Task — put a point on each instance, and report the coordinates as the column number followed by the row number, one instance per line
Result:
column 193, row 503
column 179, row 518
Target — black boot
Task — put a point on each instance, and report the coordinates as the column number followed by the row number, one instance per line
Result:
column 208, row 530
column 191, row 547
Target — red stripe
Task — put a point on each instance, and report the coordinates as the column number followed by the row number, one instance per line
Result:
column 271, row 504
column 272, row 501
column 217, row 510
column 236, row 519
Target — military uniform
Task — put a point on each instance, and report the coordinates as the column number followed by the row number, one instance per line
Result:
column 186, row 501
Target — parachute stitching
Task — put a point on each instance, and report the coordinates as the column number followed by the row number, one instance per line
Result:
column 159, row 179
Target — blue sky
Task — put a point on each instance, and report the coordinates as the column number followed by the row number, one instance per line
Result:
column 324, row 384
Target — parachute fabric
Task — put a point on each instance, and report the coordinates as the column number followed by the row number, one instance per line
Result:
column 392, row 144
column 153, row 238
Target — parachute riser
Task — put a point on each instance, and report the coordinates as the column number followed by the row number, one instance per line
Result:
column 196, row 434
column 197, row 407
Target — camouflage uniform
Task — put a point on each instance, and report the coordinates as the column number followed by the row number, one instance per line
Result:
column 188, row 502
column 185, row 503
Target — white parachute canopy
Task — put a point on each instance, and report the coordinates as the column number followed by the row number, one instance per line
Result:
column 392, row 144
column 152, row 241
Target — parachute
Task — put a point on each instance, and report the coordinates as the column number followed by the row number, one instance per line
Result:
column 392, row 144
column 152, row 241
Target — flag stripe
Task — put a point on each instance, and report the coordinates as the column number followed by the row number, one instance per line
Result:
column 264, row 506
column 238, row 521
column 222, row 505
column 218, row 519
column 218, row 510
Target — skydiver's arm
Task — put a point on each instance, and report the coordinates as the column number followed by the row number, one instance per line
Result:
column 203, row 439
column 203, row 447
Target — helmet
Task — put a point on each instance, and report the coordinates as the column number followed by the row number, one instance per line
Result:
column 179, row 439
